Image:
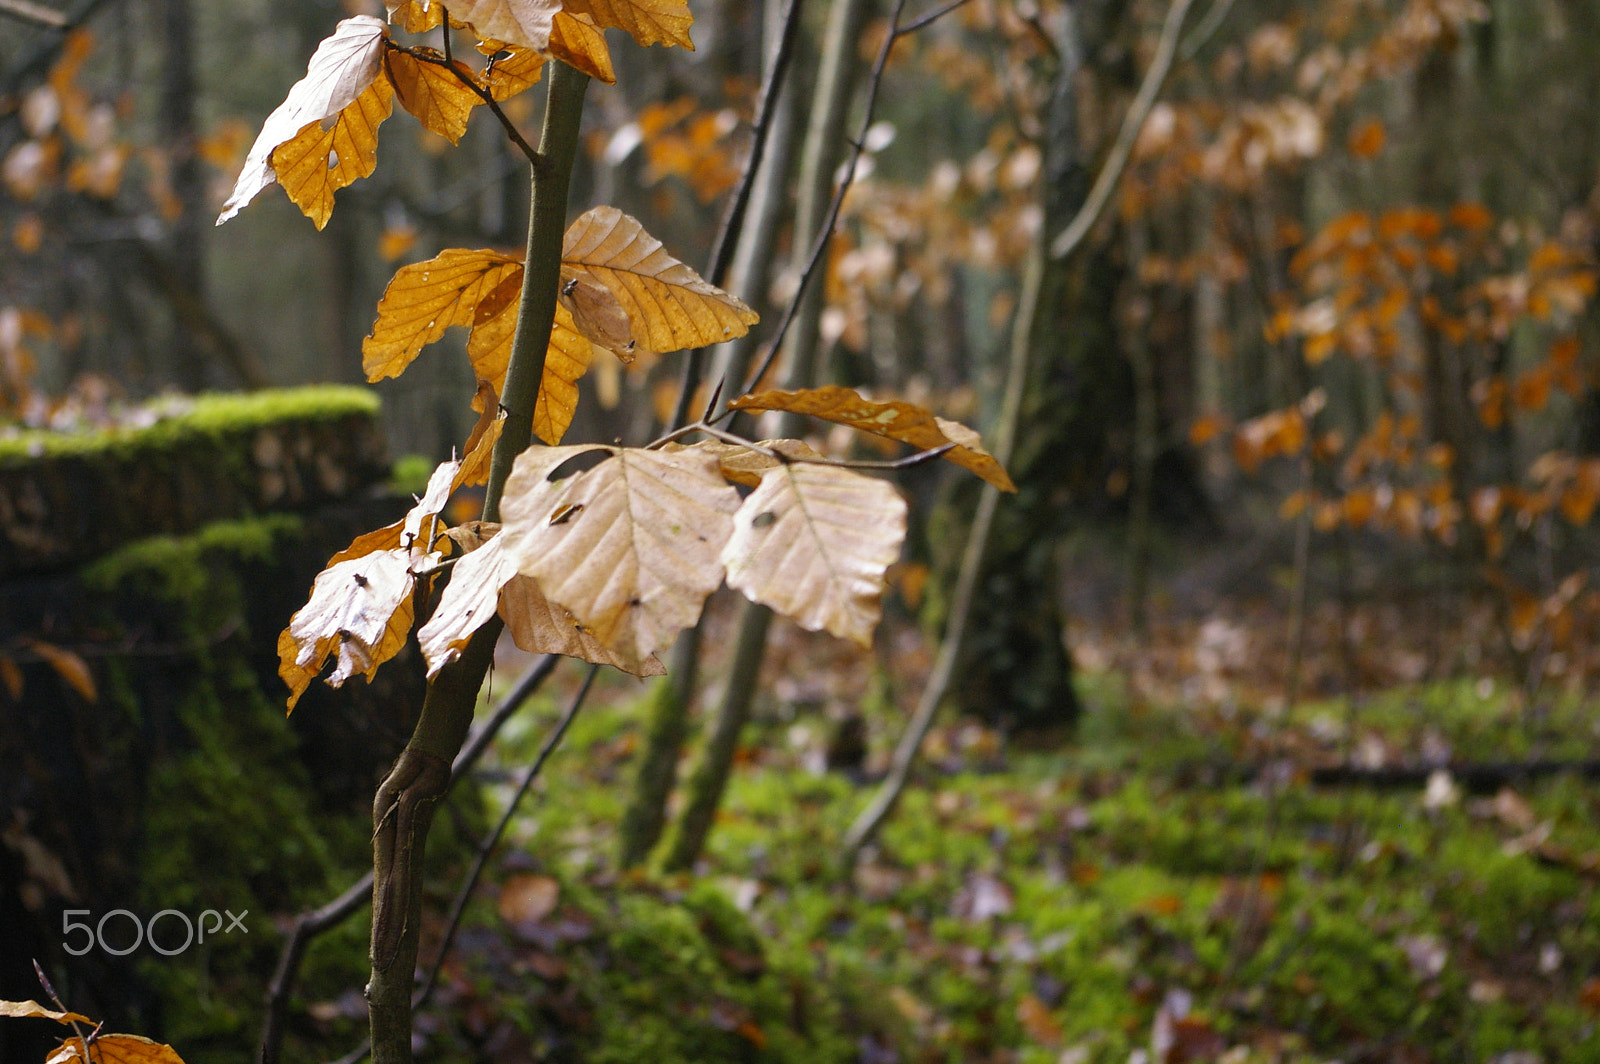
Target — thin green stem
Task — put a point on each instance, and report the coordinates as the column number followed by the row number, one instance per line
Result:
column 404, row 806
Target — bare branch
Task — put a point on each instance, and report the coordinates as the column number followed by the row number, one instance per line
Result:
column 27, row 11
column 534, row 158
column 1116, row 162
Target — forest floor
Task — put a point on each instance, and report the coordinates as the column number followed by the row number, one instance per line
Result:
column 1172, row 883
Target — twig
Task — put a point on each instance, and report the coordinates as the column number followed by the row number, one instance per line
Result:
column 28, row 11
column 49, row 988
column 736, row 440
column 1132, row 122
column 309, row 925
column 534, row 158
column 733, row 221
column 931, row 17
column 825, row 233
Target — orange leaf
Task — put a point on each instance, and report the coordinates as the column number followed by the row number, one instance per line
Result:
column 576, row 41
column 894, row 420
column 115, row 1049
column 69, row 666
column 1367, row 139
column 1473, row 217
column 647, row 21
column 509, row 74
column 428, row 297
column 436, row 94
column 317, row 162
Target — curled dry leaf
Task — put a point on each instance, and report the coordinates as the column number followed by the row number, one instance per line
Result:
column 434, row 93
column 360, row 611
column 813, row 542
column 318, row 161
column 343, row 67
column 617, row 280
column 631, row 548
column 69, row 666
column 34, row 1010
column 646, row 21
column 895, row 420
column 115, row 1049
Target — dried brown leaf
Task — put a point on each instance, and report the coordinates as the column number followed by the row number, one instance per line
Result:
column 813, row 542
column 744, row 466
column 359, row 612
column 115, row 1049
column 630, row 548
column 34, row 1010
column 525, row 23
column 69, row 666
column 895, row 420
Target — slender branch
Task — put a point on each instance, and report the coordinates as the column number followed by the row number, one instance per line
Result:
column 482, row 93
column 733, row 221
column 928, row 19
column 308, row 925
column 824, row 236
column 27, row 11
column 1132, row 122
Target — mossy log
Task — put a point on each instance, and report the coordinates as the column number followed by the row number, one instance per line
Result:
column 67, row 498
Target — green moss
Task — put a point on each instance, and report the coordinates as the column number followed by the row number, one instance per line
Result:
column 409, row 474
column 172, row 567
column 209, row 416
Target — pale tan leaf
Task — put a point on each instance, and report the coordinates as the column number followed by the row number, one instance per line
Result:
column 434, row 93
column 599, row 315
column 630, row 548
column 480, row 447
column 34, row 1010
column 359, row 612
column 517, row 70
column 115, row 1049
column 813, row 542
column 742, row 465
column 566, row 359
column 69, row 666
column 426, row 298
column 418, row 532
column 540, row 627
column 319, row 160
column 895, row 420
column 468, row 601
column 518, row 22
column 668, row 307
column 647, row 21
column 344, row 66
column 578, row 42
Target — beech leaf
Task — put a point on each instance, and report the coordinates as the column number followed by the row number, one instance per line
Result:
column 415, row 16
column 895, row 420
column 517, row 70
column 516, row 22
column 614, row 272
column 435, row 94
column 578, row 42
column 69, row 666
column 34, row 1010
column 385, row 538
column 115, row 1049
column 343, row 67
column 318, row 161
column 631, row 548
column 813, row 542
column 359, row 612
column 566, row 359
column 745, row 465
column 646, row 21
column 426, row 298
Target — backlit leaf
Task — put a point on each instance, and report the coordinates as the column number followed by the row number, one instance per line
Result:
column 813, row 542
column 631, row 548
column 415, row 16
column 896, row 420
column 115, row 1049
column 344, row 66
column 518, row 69
column 613, row 271
column 426, row 298
column 576, row 41
column 319, row 161
column 517, row 22
column 565, row 360
column 435, row 94
column 647, row 21
column 385, row 538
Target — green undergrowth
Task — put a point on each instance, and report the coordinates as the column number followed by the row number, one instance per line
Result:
column 178, row 423
column 1040, row 906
